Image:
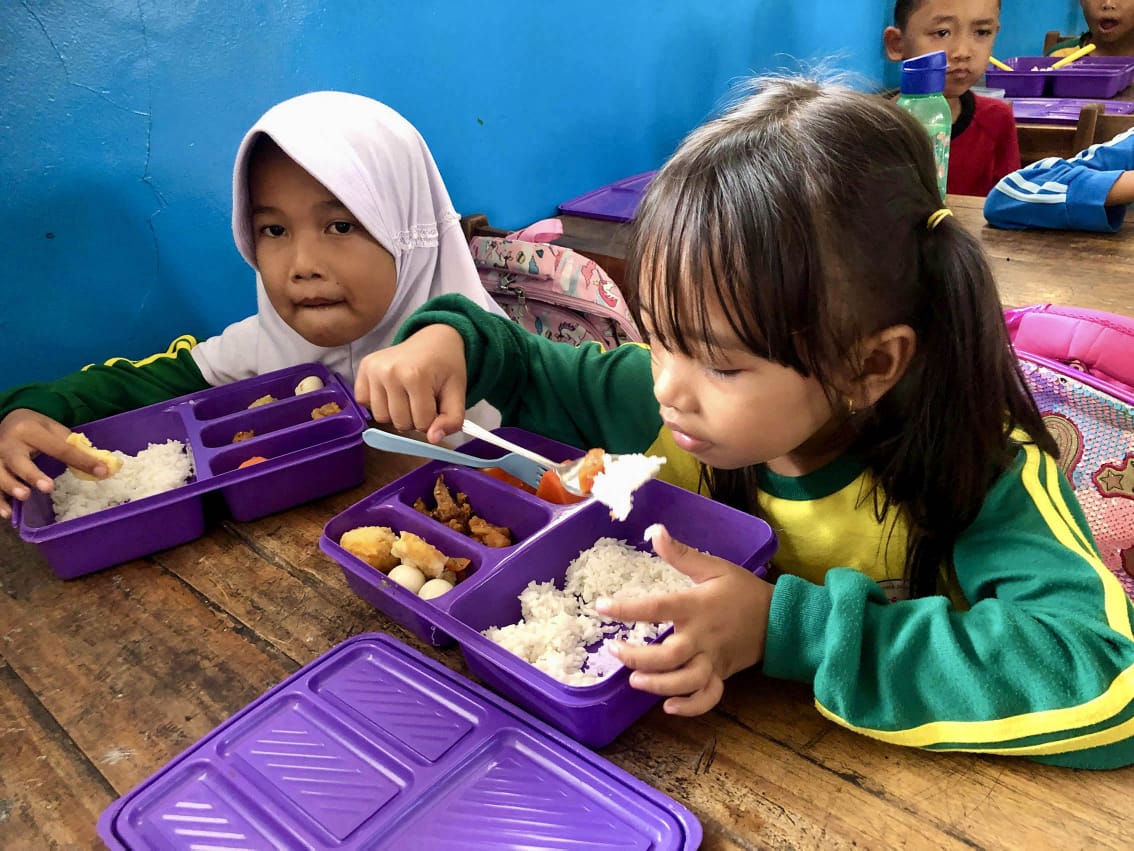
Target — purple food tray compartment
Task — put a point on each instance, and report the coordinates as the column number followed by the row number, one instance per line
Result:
column 1089, row 77
column 1063, row 110
column 616, row 202
column 549, row 537
column 375, row 746
column 305, row 459
column 494, row 500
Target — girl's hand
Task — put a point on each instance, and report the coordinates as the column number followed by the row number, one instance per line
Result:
column 719, row 628
column 417, row 384
column 23, row 435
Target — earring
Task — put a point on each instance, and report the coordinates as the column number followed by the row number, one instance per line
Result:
column 851, row 411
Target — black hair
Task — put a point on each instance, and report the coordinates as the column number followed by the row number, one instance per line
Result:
column 904, row 8
column 802, row 213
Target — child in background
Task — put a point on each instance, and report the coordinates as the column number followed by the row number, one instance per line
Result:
column 938, row 585
column 340, row 209
column 984, row 146
column 1090, row 191
column 1110, row 27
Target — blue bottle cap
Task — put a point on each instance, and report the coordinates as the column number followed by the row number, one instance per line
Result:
column 924, row 75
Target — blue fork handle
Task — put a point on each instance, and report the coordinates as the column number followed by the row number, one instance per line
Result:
column 408, row 446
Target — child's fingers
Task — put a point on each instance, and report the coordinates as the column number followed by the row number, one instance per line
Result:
column 450, row 409
column 668, row 655
column 697, row 703
column 20, row 474
column 697, row 565
column 655, row 608
column 680, row 683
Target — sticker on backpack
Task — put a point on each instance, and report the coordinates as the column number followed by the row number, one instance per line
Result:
column 552, row 290
column 1079, row 365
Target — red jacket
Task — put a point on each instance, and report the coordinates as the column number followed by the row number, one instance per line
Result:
column 984, row 146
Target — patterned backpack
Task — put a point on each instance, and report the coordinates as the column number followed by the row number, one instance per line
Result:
column 1079, row 364
column 551, row 290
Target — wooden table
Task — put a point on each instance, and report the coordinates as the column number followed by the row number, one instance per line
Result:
column 105, row 678
column 1062, row 267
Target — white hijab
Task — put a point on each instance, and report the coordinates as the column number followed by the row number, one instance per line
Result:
column 377, row 164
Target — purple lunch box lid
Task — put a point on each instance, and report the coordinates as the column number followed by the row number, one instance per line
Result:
column 1063, row 110
column 373, row 745
column 616, row 202
column 548, row 538
column 306, row 459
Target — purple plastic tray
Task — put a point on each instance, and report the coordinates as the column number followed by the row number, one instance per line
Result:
column 306, row 459
column 372, row 746
column 1089, row 77
column 616, row 202
column 548, row 539
column 1062, row 110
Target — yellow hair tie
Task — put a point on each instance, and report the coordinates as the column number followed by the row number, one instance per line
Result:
column 936, row 216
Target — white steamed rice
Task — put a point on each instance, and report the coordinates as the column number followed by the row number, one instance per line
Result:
column 158, row 468
column 557, row 626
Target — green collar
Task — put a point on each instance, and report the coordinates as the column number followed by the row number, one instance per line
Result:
column 823, row 482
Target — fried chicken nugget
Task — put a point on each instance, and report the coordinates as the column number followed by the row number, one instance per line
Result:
column 416, row 552
column 372, row 544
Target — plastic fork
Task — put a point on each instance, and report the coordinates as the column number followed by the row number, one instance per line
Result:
column 520, row 466
column 568, row 471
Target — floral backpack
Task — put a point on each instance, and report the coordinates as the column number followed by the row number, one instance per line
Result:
column 552, row 290
column 1079, row 364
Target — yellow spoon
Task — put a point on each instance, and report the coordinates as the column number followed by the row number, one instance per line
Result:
column 1002, row 66
column 1071, row 57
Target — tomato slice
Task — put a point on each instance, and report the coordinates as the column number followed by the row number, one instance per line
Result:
column 551, row 489
column 508, row 478
column 592, row 465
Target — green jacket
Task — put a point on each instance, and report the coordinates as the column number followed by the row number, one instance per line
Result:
column 99, row 390
column 1033, row 656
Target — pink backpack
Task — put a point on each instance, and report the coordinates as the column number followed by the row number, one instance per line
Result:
column 551, row 290
column 1079, row 364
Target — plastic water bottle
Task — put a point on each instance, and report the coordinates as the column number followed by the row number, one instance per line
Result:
column 923, row 84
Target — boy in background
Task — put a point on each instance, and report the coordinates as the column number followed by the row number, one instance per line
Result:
column 1110, row 27
column 984, row 146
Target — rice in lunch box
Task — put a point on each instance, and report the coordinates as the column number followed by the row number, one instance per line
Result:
column 557, row 626
column 156, row 469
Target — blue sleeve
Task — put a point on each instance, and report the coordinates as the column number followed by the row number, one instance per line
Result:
column 1064, row 194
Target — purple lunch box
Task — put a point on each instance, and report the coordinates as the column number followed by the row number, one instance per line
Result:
column 616, row 202
column 1089, row 77
column 305, row 459
column 374, row 746
column 548, row 537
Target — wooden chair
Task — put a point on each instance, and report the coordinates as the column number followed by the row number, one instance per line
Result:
column 1053, row 37
column 1095, row 126
column 1040, row 141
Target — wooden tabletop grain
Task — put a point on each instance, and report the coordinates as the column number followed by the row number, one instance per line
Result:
column 105, row 678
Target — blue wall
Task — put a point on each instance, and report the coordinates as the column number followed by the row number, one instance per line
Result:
column 120, row 118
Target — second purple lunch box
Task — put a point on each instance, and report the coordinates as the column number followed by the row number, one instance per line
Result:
column 305, row 459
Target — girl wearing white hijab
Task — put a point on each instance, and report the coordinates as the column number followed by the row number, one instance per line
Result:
column 340, row 209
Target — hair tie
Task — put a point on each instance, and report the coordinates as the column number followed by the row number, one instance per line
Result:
column 936, row 216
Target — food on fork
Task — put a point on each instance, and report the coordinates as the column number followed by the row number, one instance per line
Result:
column 81, row 441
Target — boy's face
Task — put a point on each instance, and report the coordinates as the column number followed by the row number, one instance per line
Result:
column 964, row 29
column 325, row 275
column 1109, row 21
